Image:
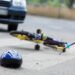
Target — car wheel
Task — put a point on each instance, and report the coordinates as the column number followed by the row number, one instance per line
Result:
column 12, row 27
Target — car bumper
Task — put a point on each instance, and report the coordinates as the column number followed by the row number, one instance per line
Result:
column 7, row 21
column 15, row 15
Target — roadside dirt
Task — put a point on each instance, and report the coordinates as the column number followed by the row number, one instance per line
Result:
column 52, row 11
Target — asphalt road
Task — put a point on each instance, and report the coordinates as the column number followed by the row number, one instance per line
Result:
column 46, row 61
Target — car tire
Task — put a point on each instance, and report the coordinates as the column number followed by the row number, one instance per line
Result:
column 12, row 27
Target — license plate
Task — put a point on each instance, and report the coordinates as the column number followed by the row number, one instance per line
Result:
column 3, row 11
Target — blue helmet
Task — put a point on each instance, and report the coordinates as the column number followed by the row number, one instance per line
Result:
column 11, row 54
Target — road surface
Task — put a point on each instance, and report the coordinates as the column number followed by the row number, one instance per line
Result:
column 46, row 61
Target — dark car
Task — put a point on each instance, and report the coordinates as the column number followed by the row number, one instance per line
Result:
column 12, row 12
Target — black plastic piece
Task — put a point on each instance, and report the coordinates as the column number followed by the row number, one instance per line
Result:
column 37, row 47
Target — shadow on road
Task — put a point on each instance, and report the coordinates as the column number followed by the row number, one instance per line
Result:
column 3, row 30
column 19, row 48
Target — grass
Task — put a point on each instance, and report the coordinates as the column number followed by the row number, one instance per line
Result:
column 47, row 2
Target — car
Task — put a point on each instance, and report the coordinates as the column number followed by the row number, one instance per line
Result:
column 12, row 13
